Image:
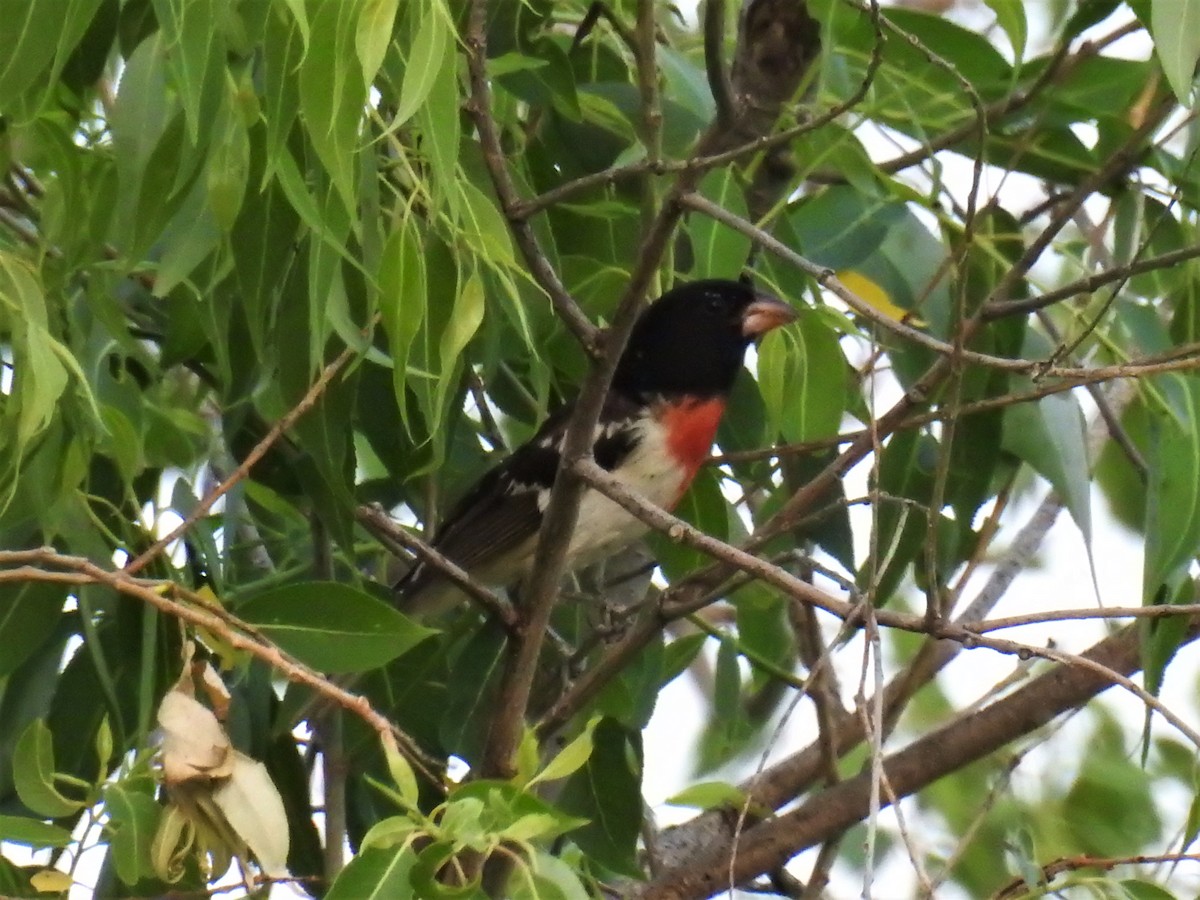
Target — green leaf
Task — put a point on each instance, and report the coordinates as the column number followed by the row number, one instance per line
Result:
column 333, row 627
column 485, row 227
column 704, row 506
column 402, row 299
column 376, row 19
column 29, row 613
column 423, row 877
column 477, row 667
column 1050, row 435
column 375, row 874
column 570, row 758
column 1110, row 807
column 1173, row 495
column 332, row 95
column 33, row 773
column 228, row 166
column 189, row 238
column 195, row 47
column 442, row 133
column 718, row 251
column 463, row 821
column 104, row 748
column 498, row 805
column 709, row 795
column 32, row 833
column 1087, row 14
column 607, row 791
column 679, row 654
column 905, row 472
column 1010, row 15
column 630, row 698
column 133, row 821
column 283, row 49
column 552, row 879
column 1175, row 25
column 800, row 375
column 39, row 374
column 730, row 726
column 389, row 833
column 464, row 322
column 840, row 228
column 429, row 48
column 37, row 33
column 402, row 773
column 1136, row 889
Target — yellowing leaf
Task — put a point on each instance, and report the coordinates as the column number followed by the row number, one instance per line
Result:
column 570, row 758
column 169, row 849
column 874, row 295
column 464, row 322
column 254, row 810
column 209, row 597
column 401, row 771
column 51, row 881
column 194, row 745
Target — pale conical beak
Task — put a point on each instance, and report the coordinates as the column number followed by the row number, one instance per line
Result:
column 764, row 314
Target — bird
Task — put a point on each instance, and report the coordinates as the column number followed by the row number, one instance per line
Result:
column 656, row 427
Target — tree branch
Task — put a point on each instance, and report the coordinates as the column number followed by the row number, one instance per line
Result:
column 714, row 61
column 768, row 845
column 379, row 523
column 199, row 613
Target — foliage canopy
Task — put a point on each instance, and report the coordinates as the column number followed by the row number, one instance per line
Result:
column 269, row 267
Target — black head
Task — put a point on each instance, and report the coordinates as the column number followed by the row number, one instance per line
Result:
column 691, row 340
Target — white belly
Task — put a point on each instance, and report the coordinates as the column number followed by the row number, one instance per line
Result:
column 604, row 526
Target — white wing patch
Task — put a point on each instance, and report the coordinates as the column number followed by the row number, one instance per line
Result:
column 603, row 526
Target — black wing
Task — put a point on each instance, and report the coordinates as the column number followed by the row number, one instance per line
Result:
column 504, row 508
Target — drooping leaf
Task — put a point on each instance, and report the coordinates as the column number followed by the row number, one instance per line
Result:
column 1173, row 498
column 717, row 250
column 801, row 374
column 429, row 47
column 1175, row 25
column 332, row 94
column 607, row 792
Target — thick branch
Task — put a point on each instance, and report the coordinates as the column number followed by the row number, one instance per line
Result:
column 765, row 847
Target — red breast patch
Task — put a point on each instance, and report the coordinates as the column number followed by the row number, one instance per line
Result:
column 691, row 426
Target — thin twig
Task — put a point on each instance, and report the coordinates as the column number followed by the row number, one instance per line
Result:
column 947, row 749
column 480, row 108
column 383, row 527
column 307, row 402
column 1018, row 887
column 195, row 611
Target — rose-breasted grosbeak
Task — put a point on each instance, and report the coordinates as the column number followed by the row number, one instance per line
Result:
column 655, row 429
